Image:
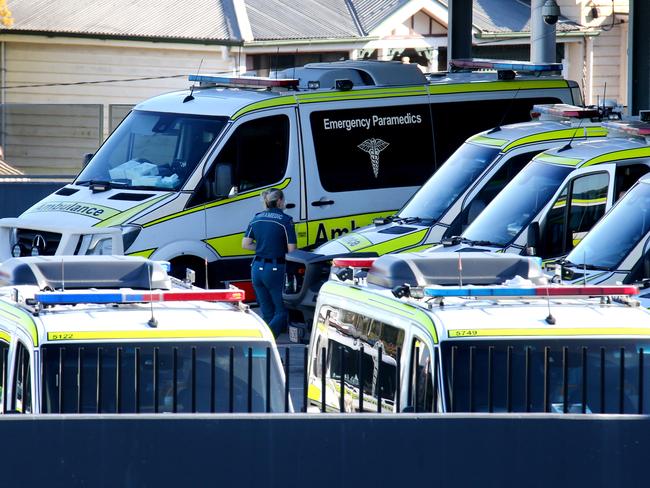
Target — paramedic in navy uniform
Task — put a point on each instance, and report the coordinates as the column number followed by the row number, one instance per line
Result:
column 271, row 235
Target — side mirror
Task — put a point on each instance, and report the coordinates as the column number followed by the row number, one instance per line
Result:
column 224, row 180
column 86, row 159
column 532, row 240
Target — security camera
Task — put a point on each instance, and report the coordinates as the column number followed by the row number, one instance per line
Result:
column 550, row 12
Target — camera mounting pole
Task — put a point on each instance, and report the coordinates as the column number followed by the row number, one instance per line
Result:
column 544, row 15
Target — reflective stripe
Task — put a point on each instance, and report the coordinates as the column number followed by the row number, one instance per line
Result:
column 22, row 318
column 619, row 155
column 270, row 103
column 127, row 214
column 379, row 302
column 401, row 242
column 199, row 208
column 362, row 94
column 587, row 331
column 557, row 134
column 151, row 334
column 314, row 393
column 145, row 254
column 4, row 336
column 229, row 246
column 549, row 158
column 487, row 141
column 490, row 86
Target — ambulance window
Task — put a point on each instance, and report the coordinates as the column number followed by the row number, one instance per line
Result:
column 490, row 190
column 353, row 353
column 22, row 396
column 4, row 372
column 382, row 147
column 420, row 388
column 255, row 155
column 626, row 176
column 454, row 122
column 566, row 225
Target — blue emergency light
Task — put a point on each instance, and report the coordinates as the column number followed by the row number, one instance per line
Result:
column 245, row 81
column 500, row 64
column 104, row 297
column 536, row 292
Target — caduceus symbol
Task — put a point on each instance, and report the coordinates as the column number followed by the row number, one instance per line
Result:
column 373, row 147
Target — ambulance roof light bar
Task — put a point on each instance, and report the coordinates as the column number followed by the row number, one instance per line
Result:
column 504, row 65
column 636, row 128
column 563, row 110
column 131, row 296
column 245, row 81
column 533, row 292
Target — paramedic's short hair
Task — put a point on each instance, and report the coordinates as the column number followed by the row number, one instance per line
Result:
column 271, row 197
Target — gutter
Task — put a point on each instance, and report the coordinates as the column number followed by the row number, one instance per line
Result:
column 302, row 42
column 520, row 35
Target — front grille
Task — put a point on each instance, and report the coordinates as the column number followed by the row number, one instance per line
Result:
column 27, row 238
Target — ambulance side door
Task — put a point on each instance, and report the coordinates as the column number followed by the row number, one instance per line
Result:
column 260, row 152
column 576, row 208
column 21, row 400
column 5, row 339
column 363, row 159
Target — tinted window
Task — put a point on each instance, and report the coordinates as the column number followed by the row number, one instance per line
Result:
column 255, row 154
column 519, row 202
column 450, row 182
column 453, row 122
column 363, row 352
column 569, row 221
column 148, row 379
column 491, row 189
column 22, row 395
column 618, row 233
column 421, row 378
column 560, row 367
column 4, row 372
column 382, row 147
column 153, row 150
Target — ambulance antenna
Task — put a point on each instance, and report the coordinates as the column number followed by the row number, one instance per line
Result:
column 460, row 270
column 62, row 273
column 239, row 61
column 549, row 318
column 505, row 113
column 277, row 60
column 604, row 93
column 205, row 261
column 584, row 268
column 153, row 323
column 190, row 97
column 573, row 136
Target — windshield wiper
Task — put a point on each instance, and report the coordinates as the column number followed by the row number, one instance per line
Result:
column 480, row 242
column 594, row 267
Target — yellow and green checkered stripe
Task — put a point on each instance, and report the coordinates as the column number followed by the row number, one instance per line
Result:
column 382, row 303
column 23, row 318
column 122, row 217
column 225, row 201
column 557, row 134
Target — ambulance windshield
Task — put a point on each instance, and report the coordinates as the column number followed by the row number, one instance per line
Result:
column 609, row 242
column 517, row 204
column 160, row 377
column 151, row 150
column 576, row 376
column 449, row 182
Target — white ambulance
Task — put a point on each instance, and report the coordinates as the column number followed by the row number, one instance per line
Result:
column 474, row 332
column 451, row 199
column 181, row 177
column 113, row 334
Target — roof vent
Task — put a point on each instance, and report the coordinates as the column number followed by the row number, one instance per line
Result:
column 82, row 272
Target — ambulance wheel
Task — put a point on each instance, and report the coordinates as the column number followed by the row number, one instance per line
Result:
column 180, row 264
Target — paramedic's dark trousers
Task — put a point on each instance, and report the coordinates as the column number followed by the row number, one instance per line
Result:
column 268, row 282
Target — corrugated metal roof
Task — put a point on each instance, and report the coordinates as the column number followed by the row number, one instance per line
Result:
column 371, row 13
column 174, row 19
column 301, row 19
column 505, row 16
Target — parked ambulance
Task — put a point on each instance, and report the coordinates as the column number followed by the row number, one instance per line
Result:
column 114, row 334
column 347, row 142
column 549, row 207
column 451, row 199
column 474, row 332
